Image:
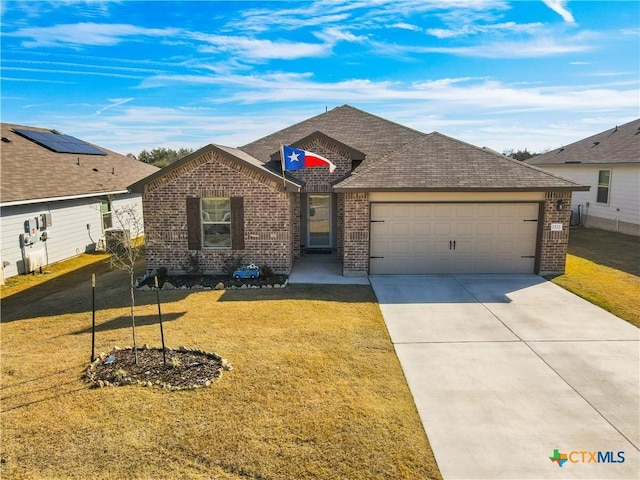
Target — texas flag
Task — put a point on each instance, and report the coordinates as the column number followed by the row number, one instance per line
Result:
column 295, row 159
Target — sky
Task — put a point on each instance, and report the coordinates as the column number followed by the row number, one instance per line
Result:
column 136, row 75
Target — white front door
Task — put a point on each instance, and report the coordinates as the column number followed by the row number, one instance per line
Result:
column 318, row 220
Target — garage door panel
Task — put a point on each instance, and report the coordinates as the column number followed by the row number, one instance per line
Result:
column 484, row 228
column 442, row 228
column 402, row 211
column 422, row 247
column 418, row 238
column 465, row 229
column 443, row 211
column 421, row 228
column 485, row 211
column 483, row 246
column 399, row 248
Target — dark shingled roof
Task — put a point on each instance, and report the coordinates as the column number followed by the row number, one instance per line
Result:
column 30, row 171
column 437, row 162
column 239, row 156
column 401, row 158
column 619, row 145
column 374, row 136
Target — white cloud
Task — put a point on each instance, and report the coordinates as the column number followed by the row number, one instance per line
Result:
column 86, row 33
column 538, row 46
column 115, row 102
column 334, row 35
column 72, row 72
column 446, row 94
column 406, row 26
column 251, row 48
column 558, row 6
column 469, row 29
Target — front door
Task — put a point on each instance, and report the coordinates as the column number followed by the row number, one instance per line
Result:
column 318, row 220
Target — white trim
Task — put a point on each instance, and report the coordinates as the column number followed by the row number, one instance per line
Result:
column 57, row 199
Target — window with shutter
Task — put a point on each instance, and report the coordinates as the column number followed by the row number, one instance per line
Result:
column 215, row 223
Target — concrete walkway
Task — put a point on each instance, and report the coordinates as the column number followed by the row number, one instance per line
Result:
column 320, row 268
column 506, row 369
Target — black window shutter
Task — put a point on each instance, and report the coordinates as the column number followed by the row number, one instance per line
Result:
column 194, row 233
column 237, row 223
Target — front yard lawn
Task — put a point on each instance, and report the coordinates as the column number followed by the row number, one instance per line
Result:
column 603, row 268
column 316, row 390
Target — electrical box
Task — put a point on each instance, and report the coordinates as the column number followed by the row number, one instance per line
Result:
column 45, row 221
column 31, row 228
column 25, row 239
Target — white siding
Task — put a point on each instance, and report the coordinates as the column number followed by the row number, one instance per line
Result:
column 624, row 194
column 125, row 202
column 76, row 228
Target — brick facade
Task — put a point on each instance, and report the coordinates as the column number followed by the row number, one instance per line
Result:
column 268, row 225
column 318, row 180
column 356, row 234
column 272, row 217
column 553, row 245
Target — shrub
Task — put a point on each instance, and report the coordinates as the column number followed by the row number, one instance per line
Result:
column 192, row 263
column 162, row 275
column 231, row 263
column 266, row 271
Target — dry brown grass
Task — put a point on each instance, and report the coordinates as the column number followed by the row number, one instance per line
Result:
column 316, row 390
column 603, row 268
column 19, row 283
column 616, row 291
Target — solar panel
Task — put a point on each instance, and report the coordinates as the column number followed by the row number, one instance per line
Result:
column 60, row 143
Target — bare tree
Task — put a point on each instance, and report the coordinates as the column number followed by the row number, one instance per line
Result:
column 126, row 245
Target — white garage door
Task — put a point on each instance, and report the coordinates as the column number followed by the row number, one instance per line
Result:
column 432, row 238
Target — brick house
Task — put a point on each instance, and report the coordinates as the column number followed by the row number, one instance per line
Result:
column 399, row 201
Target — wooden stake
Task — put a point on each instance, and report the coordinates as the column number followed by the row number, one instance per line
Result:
column 164, row 352
column 93, row 317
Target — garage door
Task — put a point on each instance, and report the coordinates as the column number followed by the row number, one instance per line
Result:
column 435, row 238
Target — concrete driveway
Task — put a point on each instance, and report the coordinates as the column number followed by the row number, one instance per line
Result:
column 507, row 369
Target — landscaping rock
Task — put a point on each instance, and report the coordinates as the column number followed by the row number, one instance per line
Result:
column 168, row 286
column 220, row 286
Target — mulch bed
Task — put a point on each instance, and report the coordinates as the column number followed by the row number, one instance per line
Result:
column 210, row 281
column 184, row 370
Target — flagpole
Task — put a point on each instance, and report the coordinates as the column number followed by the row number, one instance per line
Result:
column 284, row 180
